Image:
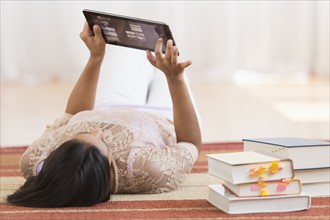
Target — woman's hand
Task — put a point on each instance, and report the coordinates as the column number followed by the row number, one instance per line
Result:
column 186, row 124
column 168, row 63
column 96, row 43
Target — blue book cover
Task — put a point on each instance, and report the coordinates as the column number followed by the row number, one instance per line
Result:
column 305, row 153
column 289, row 142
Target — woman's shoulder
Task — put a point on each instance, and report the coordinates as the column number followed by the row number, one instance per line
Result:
column 123, row 116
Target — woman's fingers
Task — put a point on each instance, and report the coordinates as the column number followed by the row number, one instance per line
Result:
column 167, row 62
column 174, row 58
column 168, row 52
column 85, row 32
column 158, row 49
column 151, row 58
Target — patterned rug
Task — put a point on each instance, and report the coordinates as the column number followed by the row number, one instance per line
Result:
column 187, row 202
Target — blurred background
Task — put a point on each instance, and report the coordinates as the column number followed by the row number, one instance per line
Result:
column 260, row 68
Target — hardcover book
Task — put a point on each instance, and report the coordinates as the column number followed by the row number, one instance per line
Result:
column 248, row 167
column 317, row 189
column 232, row 204
column 265, row 188
column 304, row 153
column 313, row 175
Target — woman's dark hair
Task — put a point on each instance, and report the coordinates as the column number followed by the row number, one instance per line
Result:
column 75, row 174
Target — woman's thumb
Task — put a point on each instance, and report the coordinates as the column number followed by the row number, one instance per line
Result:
column 97, row 30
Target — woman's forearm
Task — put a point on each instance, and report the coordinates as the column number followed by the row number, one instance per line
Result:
column 83, row 94
column 185, row 118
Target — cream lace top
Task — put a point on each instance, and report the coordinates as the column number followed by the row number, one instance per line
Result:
column 146, row 157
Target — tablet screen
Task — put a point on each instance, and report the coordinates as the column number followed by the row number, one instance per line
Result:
column 129, row 32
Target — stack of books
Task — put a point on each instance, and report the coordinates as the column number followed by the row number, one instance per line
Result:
column 253, row 182
column 311, row 160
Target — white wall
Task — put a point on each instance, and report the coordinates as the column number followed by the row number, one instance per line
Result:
column 322, row 47
column 40, row 39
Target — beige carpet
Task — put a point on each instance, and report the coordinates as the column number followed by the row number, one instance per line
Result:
column 195, row 187
column 187, row 202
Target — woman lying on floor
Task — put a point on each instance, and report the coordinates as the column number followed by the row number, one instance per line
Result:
column 143, row 135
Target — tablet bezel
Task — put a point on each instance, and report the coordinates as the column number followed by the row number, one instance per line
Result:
column 87, row 13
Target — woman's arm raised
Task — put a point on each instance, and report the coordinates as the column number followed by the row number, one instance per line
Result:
column 185, row 119
column 83, row 94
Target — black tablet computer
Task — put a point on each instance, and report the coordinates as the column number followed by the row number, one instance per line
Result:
column 128, row 31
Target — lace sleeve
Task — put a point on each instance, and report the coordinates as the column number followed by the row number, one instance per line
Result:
column 162, row 169
column 33, row 155
column 59, row 122
column 40, row 148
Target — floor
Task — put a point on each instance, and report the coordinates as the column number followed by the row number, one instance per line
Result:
column 230, row 109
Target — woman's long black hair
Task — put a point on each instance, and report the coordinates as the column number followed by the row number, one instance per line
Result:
column 75, row 174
